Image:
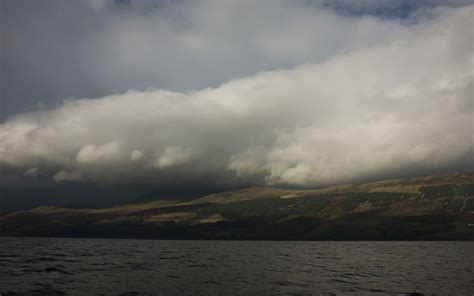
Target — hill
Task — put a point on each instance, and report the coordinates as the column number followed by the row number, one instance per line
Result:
column 427, row 208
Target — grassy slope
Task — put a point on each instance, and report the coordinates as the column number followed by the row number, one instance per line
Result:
column 435, row 207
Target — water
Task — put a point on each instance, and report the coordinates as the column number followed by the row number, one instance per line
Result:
column 57, row 266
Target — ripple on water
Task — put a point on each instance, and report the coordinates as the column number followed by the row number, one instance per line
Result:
column 123, row 267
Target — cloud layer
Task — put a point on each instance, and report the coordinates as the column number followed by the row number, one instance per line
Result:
column 385, row 108
column 54, row 49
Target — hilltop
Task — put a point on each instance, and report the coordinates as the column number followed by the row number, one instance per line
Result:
column 429, row 208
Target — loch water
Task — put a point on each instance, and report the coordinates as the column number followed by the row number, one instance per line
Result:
column 73, row 266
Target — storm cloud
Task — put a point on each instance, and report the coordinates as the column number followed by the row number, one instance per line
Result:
column 312, row 98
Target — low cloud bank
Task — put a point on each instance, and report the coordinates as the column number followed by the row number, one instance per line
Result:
column 390, row 109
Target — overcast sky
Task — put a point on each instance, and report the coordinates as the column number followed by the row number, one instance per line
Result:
column 104, row 101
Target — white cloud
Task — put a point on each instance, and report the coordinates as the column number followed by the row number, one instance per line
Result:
column 172, row 156
column 381, row 108
column 136, row 155
column 96, row 154
column 109, row 47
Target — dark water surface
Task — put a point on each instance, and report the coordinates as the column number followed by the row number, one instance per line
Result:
column 58, row 266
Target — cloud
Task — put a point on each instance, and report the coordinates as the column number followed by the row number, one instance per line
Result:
column 56, row 49
column 136, row 155
column 172, row 156
column 92, row 154
column 64, row 176
column 31, row 172
column 382, row 109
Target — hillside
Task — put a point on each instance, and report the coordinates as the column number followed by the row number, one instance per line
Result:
column 433, row 207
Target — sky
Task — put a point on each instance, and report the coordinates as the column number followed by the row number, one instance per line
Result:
column 107, row 101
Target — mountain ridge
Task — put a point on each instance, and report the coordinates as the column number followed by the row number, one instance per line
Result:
column 429, row 207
